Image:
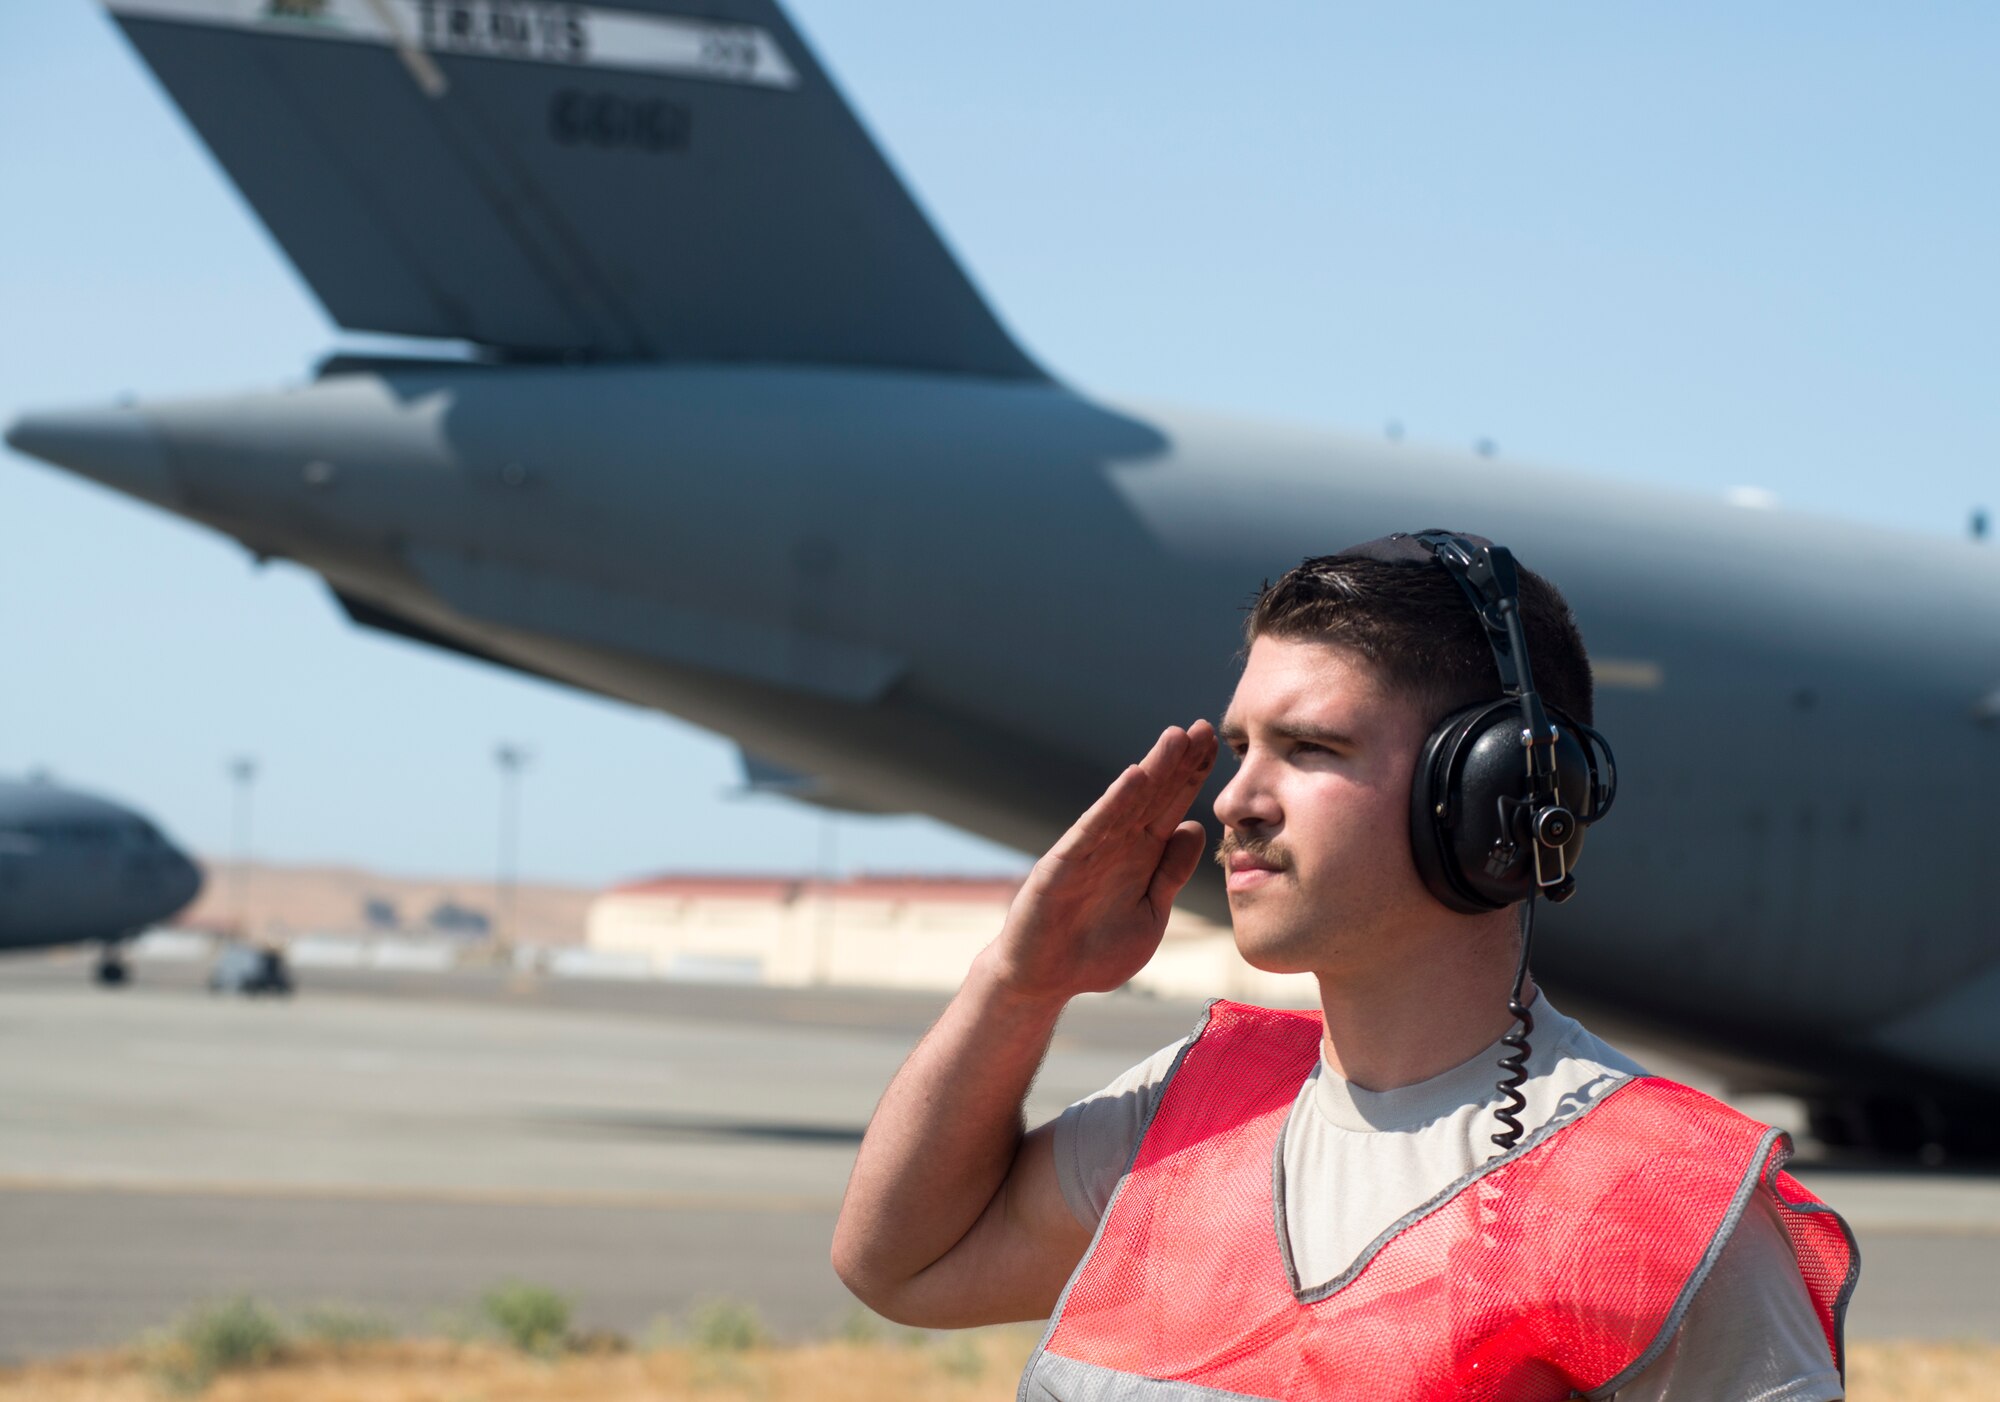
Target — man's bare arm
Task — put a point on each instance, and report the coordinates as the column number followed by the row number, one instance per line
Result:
column 953, row 1216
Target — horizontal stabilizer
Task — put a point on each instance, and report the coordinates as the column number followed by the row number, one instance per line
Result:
column 559, row 180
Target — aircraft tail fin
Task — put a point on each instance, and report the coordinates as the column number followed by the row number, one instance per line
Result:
column 569, row 180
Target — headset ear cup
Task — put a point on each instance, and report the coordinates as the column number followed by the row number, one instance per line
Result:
column 1603, row 767
column 1444, row 817
column 1466, row 797
column 1576, row 787
column 1489, row 842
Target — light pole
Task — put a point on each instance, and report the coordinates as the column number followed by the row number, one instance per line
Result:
column 829, row 850
column 242, row 777
column 511, row 759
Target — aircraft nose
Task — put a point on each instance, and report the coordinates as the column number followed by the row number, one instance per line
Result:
column 109, row 445
column 185, row 882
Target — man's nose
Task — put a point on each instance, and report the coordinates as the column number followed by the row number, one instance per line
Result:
column 1245, row 803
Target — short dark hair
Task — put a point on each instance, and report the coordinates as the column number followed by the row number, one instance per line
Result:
column 1417, row 629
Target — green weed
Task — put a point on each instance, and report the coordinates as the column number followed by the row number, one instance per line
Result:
column 533, row 1318
column 341, row 1327
column 231, row 1336
column 726, row 1326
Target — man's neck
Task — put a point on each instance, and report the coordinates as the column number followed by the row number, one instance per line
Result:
column 1434, row 1010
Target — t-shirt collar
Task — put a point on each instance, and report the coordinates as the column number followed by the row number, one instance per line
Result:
column 1471, row 1082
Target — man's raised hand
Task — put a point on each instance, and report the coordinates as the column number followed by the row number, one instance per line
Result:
column 1092, row 911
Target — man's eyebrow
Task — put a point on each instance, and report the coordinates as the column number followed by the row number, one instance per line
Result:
column 1233, row 732
column 1317, row 734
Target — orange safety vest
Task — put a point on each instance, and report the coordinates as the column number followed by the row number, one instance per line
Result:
column 1561, row 1268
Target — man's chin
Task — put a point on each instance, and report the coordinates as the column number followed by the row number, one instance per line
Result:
column 1273, row 951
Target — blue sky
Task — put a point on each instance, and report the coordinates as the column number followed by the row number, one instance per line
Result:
column 1707, row 245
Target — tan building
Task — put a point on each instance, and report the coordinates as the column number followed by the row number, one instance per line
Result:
column 877, row 931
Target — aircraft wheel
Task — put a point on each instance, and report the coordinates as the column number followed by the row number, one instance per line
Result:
column 1927, row 1130
column 111, row 972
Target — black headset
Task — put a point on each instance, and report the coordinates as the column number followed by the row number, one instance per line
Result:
column 1503, row 790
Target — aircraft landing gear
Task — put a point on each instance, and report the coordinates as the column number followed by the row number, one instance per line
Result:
column 111, row 969
column 1929, row 1130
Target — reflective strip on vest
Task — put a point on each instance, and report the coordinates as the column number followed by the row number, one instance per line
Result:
column 1558, row 1269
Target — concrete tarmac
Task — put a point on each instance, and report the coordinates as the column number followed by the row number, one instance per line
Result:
column 401, row 1142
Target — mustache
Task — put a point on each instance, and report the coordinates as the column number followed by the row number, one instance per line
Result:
column 1259, row 849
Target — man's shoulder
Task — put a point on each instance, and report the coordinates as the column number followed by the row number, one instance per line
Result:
column 1750, row 1330
column 1573, row 1045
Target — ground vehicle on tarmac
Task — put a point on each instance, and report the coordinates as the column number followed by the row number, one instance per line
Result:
column 250, row 970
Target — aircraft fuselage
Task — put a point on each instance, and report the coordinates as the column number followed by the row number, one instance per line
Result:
column 77, row 869
column 977, row 599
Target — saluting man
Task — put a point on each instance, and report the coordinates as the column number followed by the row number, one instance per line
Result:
column 1438, row 1186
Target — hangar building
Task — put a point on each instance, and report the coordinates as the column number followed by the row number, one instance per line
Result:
column 918, row 932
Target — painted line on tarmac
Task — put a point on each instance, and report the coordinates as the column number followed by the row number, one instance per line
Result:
column 453, row 1196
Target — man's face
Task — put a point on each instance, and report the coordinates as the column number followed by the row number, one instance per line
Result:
column 1317, row 852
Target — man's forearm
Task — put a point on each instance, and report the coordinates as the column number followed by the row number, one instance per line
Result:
column 952, row 1217
column 943, row 1137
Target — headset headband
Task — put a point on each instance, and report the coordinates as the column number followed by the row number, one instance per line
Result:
column 1487, row 576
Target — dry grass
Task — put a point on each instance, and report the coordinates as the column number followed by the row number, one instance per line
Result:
column 1939, row 1372
column 963, row 1368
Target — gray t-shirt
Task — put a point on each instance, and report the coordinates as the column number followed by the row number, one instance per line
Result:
column 1356, row 1161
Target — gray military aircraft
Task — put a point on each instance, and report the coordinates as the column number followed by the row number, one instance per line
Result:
column 738, row 439
column 76, row 869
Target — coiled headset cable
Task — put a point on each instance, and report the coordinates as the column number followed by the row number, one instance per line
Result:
column 1515, row 1062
